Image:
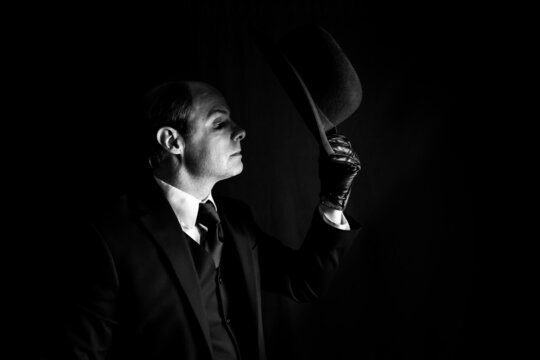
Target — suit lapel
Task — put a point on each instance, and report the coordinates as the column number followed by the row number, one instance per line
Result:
column 159, row 219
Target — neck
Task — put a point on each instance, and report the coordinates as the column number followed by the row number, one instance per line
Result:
column 180, row 178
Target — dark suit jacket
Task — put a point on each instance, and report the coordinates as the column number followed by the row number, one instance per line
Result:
column 137, row 296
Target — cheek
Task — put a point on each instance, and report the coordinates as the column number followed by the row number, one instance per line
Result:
column 204, row 157
column 195, row 156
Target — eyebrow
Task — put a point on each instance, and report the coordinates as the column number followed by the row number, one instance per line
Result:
column 217, row 111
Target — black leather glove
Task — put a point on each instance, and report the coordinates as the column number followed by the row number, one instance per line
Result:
column 337, row 172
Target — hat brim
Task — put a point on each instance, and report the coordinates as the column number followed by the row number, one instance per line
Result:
column 313, row 117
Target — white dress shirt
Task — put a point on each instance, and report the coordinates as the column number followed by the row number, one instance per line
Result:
column 186, row 209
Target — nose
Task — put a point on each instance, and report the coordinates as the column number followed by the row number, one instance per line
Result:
column 239, row 133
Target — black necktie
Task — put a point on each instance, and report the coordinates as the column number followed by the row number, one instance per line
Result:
column 208, row 216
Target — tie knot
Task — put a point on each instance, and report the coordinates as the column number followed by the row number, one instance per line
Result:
column 207, row 215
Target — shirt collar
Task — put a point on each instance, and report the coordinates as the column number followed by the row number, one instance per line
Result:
column 184, row 205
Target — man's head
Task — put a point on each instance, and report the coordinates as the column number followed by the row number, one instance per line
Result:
column 192, row 129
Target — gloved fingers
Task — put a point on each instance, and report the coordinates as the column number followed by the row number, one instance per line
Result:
column 342, row 150
column 343, row 158
column 339, row 140
column 337, row 163
column 344, row 154
column 341, row 145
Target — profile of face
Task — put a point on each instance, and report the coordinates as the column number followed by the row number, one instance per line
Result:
column 212, row 149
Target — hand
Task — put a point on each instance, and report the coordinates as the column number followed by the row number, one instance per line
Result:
column 337, row 172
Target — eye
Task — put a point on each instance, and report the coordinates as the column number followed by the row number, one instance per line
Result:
column 219, row 124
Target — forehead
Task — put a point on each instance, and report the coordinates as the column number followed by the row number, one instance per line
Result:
column 207, row 100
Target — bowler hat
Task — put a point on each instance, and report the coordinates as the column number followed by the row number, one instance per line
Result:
column 317, row 75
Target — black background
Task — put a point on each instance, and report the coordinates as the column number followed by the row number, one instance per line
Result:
column 411, row 287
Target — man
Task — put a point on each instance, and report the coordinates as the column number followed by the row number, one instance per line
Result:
column 169, row 272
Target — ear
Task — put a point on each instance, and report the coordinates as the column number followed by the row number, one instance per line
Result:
column 170, row 140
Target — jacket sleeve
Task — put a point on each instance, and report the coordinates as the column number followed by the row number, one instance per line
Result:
column 90, row 317
column 303, row 274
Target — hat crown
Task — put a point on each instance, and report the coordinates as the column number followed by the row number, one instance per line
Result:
column 325, row 69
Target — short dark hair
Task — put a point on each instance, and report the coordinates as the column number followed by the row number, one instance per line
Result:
column 169, row 104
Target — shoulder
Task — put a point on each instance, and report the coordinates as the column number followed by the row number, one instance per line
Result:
column 114, row 210
column 137, row 198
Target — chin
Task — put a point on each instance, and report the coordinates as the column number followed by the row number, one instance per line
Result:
column 238, row 170
column 233, row 172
